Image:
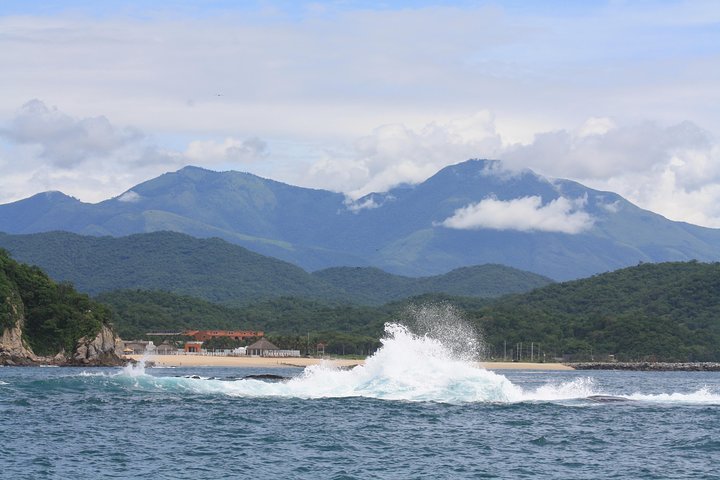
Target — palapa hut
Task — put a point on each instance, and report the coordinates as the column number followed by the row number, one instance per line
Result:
column 261, row 347
column 166, row 349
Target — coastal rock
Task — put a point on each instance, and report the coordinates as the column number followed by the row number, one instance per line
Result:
column 650, row 366
column 99, row 351
column 13, row 350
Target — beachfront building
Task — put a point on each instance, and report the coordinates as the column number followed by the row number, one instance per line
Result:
column 261, row 347
column 166, row 349
column 265, row 348
column 193, row 347
column 204, row 335
column 138, row 347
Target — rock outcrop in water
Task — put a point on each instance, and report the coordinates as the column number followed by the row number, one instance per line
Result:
column 650, row 366
column 100, row 350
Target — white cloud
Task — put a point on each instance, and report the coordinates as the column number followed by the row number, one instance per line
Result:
column 524, row 214
column 230, row 150
column 395, row 154
column 65, row 141
column 326, row 76
column 129, row 197
column 672, row 170
column 87, row 157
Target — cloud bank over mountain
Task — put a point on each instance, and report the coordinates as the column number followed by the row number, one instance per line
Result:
column 525, row 214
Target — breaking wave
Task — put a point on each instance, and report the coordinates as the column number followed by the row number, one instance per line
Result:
column 409, row 366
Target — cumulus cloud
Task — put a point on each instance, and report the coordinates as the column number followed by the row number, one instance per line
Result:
column 524, row 214
column 92, row 158
column 65, row 141
column 396, row 154
column 229, row 150
column 673, row 170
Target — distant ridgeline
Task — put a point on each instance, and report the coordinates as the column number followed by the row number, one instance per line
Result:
column 220, row 272
column 416, row 230
column 39, row 317
column 668, row 311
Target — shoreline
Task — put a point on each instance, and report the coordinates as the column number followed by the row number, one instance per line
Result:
column 302, row 362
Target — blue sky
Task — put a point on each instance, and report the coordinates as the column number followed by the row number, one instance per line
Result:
column 359, row 96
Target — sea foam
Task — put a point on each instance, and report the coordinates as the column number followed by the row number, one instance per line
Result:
column 437, row 362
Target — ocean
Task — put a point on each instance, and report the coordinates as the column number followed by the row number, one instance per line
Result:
column 417, row 409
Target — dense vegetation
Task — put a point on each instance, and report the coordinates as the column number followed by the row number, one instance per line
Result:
column 372, row 286
column 667, row 311
column 220, row 272
column 287, row 321
column 56, row 316
column 206, row 268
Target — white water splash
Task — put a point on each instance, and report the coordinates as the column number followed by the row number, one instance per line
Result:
column 407, row 367
column 704, row 396
column 136, row 369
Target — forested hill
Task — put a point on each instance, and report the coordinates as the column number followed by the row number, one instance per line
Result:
column 667, row 311
column 220, row 272
column 374, row 286
column 137, row 312
column 51, row 316
column 211, row 269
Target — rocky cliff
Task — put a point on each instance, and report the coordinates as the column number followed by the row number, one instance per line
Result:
column 13, row 350
column 41, row 320
column 100, row 350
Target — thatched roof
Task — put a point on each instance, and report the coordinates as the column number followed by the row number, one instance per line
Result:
column 263, row 344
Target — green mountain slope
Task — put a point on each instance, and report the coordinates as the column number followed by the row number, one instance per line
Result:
column 402, row 231
column 206, row 268
column 221, row 272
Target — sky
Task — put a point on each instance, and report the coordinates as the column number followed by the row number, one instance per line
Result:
column 357, row 97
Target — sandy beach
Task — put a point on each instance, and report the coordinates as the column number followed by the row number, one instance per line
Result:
column 267, row 362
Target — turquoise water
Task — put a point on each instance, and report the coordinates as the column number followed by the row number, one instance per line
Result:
column 411, row 412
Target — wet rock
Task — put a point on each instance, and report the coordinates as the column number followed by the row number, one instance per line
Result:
column 98, row 351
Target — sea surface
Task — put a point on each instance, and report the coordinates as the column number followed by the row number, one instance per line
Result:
column 413, row 411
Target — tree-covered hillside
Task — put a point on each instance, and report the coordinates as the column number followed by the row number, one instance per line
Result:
column 373, row 286
column 220, row 272
column 211, row 269
column 287, row 321
column 667, row 311
column 56, row 316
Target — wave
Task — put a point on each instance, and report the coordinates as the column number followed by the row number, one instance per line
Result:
column 703, row 396
column 437, row 362
column 407, row 367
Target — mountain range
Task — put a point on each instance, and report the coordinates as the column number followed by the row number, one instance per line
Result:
column 471, row 213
